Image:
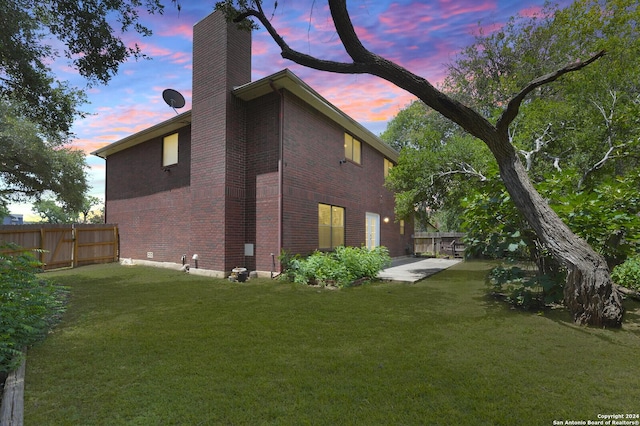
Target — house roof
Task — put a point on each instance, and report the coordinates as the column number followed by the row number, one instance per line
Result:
column 154, row 131
column 284, row 79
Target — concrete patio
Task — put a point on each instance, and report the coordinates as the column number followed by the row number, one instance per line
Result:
column 411, row 269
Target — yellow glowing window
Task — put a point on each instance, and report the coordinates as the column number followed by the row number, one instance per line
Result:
column 170, row 150
column 388, row 165
column 330, row 226
column 352, row 148
column 401, row 227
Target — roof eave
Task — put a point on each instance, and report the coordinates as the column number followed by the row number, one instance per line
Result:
column 160, row 129
column 287, row 80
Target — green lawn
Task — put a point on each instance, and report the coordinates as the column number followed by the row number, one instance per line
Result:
column 152, row 346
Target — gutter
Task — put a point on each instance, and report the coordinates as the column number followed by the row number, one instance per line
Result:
column 280, row 166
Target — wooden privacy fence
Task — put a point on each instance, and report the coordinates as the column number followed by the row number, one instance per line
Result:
column 62, row 245
column 439, row 243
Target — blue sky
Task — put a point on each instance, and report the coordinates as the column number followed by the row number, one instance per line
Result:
column 422, row 36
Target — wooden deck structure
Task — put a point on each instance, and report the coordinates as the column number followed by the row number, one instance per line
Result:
column 439, row 243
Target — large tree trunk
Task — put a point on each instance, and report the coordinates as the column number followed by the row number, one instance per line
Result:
column 588, row 293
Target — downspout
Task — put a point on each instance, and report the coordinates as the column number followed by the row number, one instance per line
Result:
column 280, row 166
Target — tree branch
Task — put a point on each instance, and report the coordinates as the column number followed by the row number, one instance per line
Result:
column 367, row 62
column 608, row 121
column 347, row 33
column 513, row 107
column 540, row 143
column 465, row 169
column 298, row 57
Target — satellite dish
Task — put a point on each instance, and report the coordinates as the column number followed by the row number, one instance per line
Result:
column 173, row 98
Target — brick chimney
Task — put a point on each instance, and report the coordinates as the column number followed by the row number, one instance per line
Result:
column 221, row 61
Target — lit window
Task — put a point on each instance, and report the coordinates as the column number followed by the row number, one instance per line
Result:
column 330, row 226
column 401, row 227
column 388, row 165
column 352, row 148
column 170, row 150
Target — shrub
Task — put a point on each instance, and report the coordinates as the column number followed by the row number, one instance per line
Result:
column 628, row 274
column 28, row 305
column 340, row 268
column 523, row 288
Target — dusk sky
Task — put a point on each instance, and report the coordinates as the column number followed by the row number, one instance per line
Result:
column 422, row 36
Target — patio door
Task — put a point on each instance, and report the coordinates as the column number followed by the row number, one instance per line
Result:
column 372, row 230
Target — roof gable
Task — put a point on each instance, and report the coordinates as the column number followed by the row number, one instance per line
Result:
column 284, row 79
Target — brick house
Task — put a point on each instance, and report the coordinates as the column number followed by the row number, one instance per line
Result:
column 253, row 168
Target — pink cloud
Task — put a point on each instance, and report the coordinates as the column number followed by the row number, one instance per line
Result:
column 405, row 19
column 181, row 58
column 530, row 12
column 486, row 29
column 452, row 8
column 154, row 50
column 183, row 29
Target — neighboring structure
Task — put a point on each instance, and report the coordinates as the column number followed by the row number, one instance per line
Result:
column 253, row 168
column 13, row 219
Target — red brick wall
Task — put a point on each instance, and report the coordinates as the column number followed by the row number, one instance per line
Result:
column 157, row 223
column 261, row 208
column 224, row 192
column 150, row 205
column 266, row 217
column 138, row 171
column 313, row 174
column 221, row 60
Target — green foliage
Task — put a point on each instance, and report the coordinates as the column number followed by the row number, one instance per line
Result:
column 234, row 9
column 289, row 263
column 51, row 212
column 437, row 162
column 524, row 288
column 82, row 32
column 628, row 274
column 495, row 229
column 28, row 304
column 36, row 108
column 339, row 268
column 607, row 215
column 582, row 132
column 31, row 165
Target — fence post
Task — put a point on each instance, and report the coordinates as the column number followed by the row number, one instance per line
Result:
column 74, row 252
column 41, row 246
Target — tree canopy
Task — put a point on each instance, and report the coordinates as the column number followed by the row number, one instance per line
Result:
column 588, row 292
column 579, row 139
column 31, row 165
column 36, row 108
column 36, row 34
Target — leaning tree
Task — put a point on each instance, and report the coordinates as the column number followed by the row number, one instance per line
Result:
column 589, row 292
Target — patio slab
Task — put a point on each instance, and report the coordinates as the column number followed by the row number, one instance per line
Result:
column 415, row 269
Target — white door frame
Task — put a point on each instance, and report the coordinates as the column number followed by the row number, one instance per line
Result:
column 372, row 230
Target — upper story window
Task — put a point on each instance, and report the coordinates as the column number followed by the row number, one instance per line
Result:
column 388, row 165
column 352, row 148
column 170, row 150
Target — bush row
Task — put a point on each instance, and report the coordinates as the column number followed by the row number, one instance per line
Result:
column 628, row 274
column 339, row 268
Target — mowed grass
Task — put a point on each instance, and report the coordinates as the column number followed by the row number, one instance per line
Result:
column 146, row 346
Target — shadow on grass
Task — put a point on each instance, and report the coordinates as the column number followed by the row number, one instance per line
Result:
column 499, row 309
